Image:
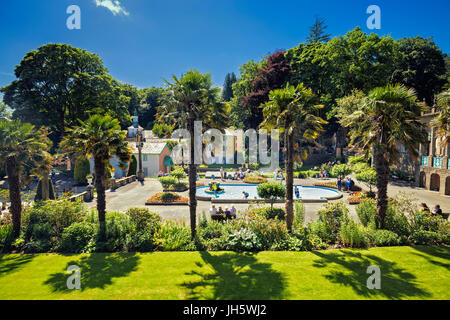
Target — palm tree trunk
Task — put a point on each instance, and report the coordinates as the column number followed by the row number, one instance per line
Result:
column 99, row 168
column 382, row 169
column 192, row 182
column 15, row 197
column 289, row 163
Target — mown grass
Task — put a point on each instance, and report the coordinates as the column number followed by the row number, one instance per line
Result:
column 406, row 273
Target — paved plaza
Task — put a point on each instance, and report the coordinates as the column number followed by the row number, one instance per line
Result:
column 136, row 193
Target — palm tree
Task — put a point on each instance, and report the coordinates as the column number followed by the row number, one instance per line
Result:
column 293, row 109
column 193, row 98
column 21, row 147
column 442, row 121
column 99, row 137
column 43, row 165
column 385, row 117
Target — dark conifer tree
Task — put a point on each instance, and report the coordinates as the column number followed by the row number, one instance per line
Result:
column 317, row 31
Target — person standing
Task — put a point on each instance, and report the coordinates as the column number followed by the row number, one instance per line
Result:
column 297, row 192
column 221, row 173
column 339, row 183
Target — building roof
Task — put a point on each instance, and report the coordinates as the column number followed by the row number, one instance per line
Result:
column 149, row 147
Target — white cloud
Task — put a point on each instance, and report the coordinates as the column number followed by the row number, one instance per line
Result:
column 112, row 5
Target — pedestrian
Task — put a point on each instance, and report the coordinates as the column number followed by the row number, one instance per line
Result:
column 339, row 183
column 221, row 173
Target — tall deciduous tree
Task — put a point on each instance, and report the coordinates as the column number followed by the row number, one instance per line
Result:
column 150, row 101
column 192, row 98
column 99, row 137
column 273, row 75
column 239, row 114
column 442, row 120
column 294, row 109
column 386, row 116
column 20, row 145
column 421, row 66
column 58, row 84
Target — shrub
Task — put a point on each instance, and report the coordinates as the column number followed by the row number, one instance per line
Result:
column 290, row 243
column 301, row 175
column 133, row 166
column 167, row 182
column 426, row 237
column 299, row 214
column 78, row 237
column 382, row 238
column 172, row 237
column 360, row 167
column 44, row 223
column 340, row 170
column 330, row 219
column 352, row 234
column 144, row 219
column 51, row 191
column 367, row 212
column 162, row 130
column 396, row 221
column 312, row 173
column 81, row 170
column 368, row 176
column 269, row 232
column 178, row 174
column 268, row 213
column 6, row 237
column 244, row 240
column 352, row 160
column 271, row 191
column 117, row 228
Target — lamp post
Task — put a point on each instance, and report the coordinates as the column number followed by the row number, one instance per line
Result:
column 139, row 144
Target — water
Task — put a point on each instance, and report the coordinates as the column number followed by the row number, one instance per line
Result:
column 234, row 191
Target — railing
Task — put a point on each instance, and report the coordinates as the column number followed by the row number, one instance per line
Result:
column 437, row 162
column 424, row 161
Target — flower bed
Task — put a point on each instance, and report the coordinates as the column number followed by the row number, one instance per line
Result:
column 167, row 198
column 255, row 179
column 328, row 184
column 357, row 197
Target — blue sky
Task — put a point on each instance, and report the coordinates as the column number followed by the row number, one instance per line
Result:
column 143, row 42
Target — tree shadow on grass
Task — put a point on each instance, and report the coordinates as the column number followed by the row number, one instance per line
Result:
column 396, row 283
column 97, row 270
column 428, row 252
column 11, row 262
column 235, row 276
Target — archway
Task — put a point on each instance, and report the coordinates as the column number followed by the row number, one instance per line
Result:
column 435, row 182
column 447, row 186
column 422, row 179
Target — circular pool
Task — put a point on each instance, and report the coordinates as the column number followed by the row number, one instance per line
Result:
column 234, row 192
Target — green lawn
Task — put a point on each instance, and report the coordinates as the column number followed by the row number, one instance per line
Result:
column 406, row 273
